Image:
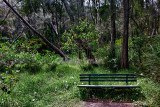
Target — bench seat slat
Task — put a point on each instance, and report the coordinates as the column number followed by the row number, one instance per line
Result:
column 107, row 74
column 109, row 80
column 107, row 77
column 109, row 86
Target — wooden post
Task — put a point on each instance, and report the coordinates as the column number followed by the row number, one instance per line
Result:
column 127, row 79
column 89, row 82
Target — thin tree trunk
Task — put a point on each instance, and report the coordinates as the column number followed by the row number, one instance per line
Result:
column 80, row 8
column 147, row 18
column 79, row 52
column 88, row 52
column 68, row 9
column 90, row 8
column 97, row 7
column 58, row 51
column 124, row 56
column 113, row 28
column 154, row 32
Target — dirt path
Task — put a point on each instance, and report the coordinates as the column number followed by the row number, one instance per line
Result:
column 105, row 103
column 91, row 104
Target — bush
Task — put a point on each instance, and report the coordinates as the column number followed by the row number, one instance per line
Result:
column 87, row 67
column 113, row 63
column 150, row 60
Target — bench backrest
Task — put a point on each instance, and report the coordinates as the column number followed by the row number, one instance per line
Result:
column 108, row 77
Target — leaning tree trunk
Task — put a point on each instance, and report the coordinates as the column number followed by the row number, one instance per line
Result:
column 124, row 55
column 58, row 51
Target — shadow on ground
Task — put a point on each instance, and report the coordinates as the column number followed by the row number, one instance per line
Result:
column 113, row 95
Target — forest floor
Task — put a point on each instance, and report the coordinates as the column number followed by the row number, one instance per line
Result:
column 106, row 103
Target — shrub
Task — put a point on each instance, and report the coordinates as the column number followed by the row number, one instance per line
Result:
column 87, row 67
column 113, row 63
column 150, row 63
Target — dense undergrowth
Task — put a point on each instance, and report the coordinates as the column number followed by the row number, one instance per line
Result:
column 35, row 79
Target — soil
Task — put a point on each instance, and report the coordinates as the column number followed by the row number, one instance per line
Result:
column 105, row 103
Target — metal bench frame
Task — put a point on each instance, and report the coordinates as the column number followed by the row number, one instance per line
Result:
column 108, row 78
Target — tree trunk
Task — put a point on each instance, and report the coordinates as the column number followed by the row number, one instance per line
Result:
column 154, row 21
column 79, row 52
column 90, row 9
column 124, row 56
column 58, row 51
column 80, row 9
column 97, row 7
column 147, row 19
column 68, row 9
column 88, row 52
column 142, row 3
column 113, row 28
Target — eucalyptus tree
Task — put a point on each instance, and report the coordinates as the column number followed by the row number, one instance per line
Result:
column 124, row 55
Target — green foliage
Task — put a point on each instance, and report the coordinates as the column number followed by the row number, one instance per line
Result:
column 138, row 43
column 110, row 62
column 88, row 67
column 24, row 61
column 138, row 10
column 30, row 6
column 151, row 60
column 113, row 63
column 145, row 56
column 35, row 6
column 84, row 31
column 8, row 58
column 151, row 91
column 34, row 45
column 2, row 21
column 1, row 11
column 7, row 85
column 104, row 12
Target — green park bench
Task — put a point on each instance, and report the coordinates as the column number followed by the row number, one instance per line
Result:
column 108, row 78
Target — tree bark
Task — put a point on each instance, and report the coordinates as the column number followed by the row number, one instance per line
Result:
column 88, row 52
column 58, row 51
column 113, row 28
column 80, row 9
column 142, row 3
column 147, row 19
column 90, row 9
column 68, row 9
column 124, row 55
